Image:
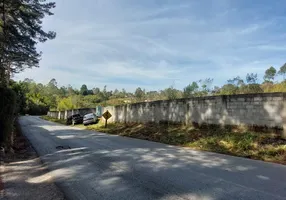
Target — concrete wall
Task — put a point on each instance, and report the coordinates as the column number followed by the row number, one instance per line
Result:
column 68, row 113
column 246, row 109
column 267, row 109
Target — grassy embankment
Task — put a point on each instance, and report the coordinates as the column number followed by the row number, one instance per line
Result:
column 267, row 146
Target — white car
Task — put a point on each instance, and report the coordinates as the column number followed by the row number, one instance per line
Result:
column 90, row 118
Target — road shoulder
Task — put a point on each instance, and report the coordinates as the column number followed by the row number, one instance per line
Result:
column 25, row 177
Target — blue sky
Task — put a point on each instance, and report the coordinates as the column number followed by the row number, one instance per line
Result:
column 155, row 44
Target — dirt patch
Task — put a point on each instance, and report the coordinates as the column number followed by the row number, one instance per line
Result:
column 24, row 176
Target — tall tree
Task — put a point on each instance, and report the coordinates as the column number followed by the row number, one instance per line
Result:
column 282, row 71
column 205, row 86
column 171, row 93
column 237, row 81
column 96, row 91
column 270, row 74
column 251, row 78
column 190, row 90
column 20, row 31
column 139, row 94
column 84, row 90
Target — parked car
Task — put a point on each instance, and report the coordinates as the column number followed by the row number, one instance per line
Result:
column 90, row 118
column 74, row 119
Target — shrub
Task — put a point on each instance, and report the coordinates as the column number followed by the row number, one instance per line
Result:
column 7, row 113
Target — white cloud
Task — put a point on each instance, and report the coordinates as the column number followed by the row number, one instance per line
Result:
column 130, row 43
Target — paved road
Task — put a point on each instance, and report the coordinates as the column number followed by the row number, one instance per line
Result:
column 100, row 166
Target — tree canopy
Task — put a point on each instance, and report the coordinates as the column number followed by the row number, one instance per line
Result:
column 20, row 31
column 38, row 98
column 282, row 71
column 270, row 74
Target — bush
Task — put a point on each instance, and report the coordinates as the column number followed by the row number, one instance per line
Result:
column 35, row 109
column 7, row 113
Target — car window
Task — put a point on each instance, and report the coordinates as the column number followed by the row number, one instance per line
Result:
column 89, row 115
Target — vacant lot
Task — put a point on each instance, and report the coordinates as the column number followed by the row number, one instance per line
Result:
column 267, row 146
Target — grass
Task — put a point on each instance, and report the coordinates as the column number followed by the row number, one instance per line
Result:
column 264, row 146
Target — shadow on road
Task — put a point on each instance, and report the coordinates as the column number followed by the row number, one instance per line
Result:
column 107, row 166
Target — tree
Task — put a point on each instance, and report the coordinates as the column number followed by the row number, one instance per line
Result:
column 205, row 87
column 105, row 95
column 116, row 94
column 124, row 93
column 251, row 78
column 139, row 94
column 20, row 31
column 84, row 90
column 63, row 91
column 53, row 87
column 190, row 90
column 282, row 71
column 251, row 88
column 51, row 93
column 96, row 91
column 229, row 89
column 152, row 95
column 171, row 93
column 237, row 81
column 216, row 90
column 70, row 90
column 66, row 104
column 270, row 74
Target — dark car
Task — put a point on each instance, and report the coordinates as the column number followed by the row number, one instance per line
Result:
column 74, row 119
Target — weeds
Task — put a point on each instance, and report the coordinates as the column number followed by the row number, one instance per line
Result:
column 238, row 142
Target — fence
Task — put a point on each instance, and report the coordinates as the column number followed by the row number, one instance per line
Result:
column 68, row 113
column 267, row 109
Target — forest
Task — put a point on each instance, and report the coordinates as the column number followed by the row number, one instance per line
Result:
column 36, row 98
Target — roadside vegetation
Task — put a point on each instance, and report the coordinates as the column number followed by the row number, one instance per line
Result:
column 264, row 145
column 20, row 32
column 37, row 98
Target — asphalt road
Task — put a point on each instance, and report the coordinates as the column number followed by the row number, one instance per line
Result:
column 91, row 165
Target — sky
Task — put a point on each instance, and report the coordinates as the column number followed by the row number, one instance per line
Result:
column 154, row 44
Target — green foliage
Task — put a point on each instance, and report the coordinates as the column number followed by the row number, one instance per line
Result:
column 7, row 113
column 139, row 94
column 20, row 91
column 84, row 90
column 36, row 98
column 282, row 71
column 250, row 88
column 204, row 87
column 237, row 81
column 171, row 93
column 229, row 89
column 21, row 30
column 66, row 104
column 270, row 87
column 251, row 78
column 190, row 90
column 270, row 74
column 256, row 145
